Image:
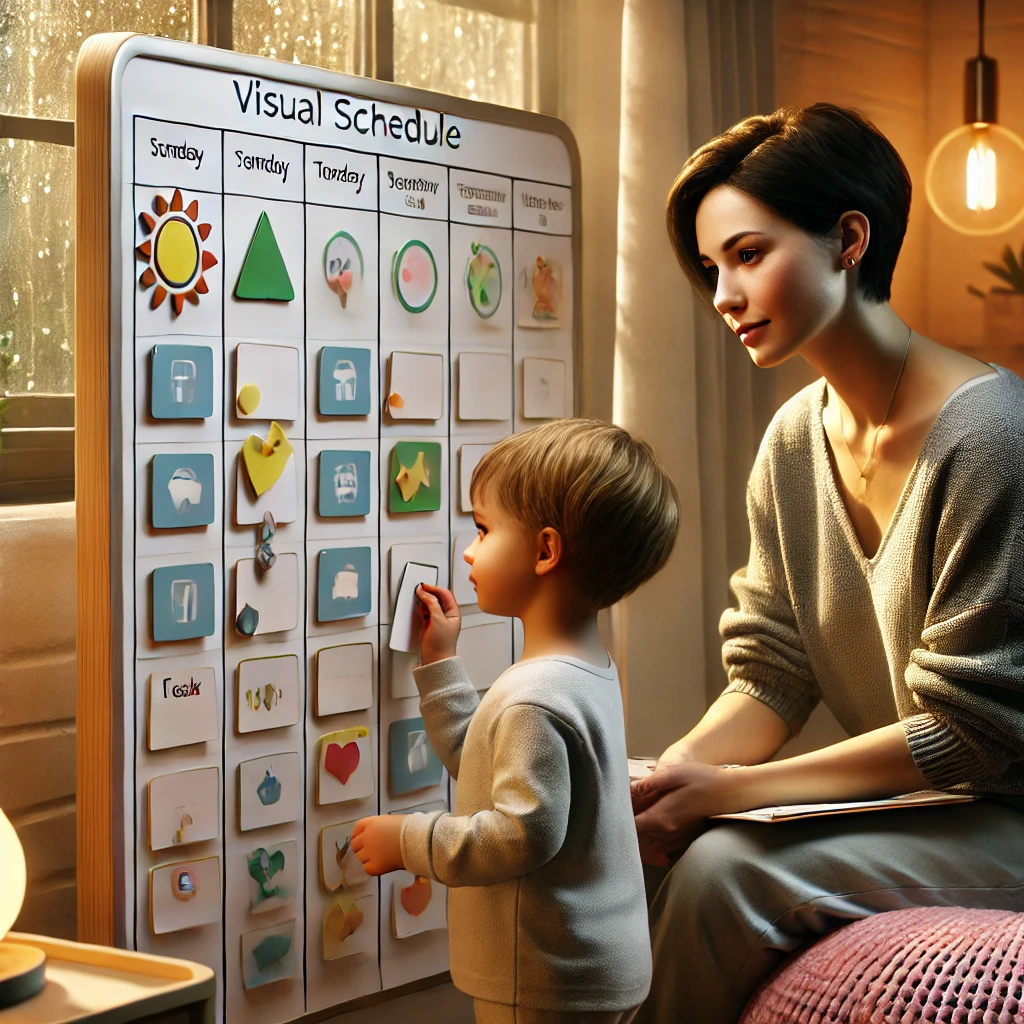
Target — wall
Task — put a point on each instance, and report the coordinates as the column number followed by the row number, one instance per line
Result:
column 954, row 260
column 37, row 705
column 871, row 56
column 902, row 64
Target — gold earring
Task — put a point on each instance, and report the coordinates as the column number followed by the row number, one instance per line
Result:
column 851, row 261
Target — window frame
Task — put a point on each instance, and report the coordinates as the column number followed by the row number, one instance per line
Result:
column 46, row 413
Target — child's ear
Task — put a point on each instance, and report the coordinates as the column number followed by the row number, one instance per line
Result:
column 550, row 550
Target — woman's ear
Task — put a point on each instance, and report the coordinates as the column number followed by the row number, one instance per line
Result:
column 550, row 550
column 854, row 236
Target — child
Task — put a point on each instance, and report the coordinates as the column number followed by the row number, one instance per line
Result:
column 547, row 915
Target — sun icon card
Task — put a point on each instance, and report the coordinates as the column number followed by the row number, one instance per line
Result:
column 178, row 259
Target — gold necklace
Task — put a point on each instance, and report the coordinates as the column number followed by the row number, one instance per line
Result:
column 878, row 429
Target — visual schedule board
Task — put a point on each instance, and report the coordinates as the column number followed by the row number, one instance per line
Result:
column 307, row 306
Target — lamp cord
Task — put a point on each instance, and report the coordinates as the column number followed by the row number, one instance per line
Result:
column 981, row 28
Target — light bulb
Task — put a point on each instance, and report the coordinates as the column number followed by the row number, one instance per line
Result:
column 974, row 179
column 981, row 173
column 12, row 860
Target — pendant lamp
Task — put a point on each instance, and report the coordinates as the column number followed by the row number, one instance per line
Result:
column 974, row 179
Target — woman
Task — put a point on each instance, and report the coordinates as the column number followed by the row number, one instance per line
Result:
column 886, row 577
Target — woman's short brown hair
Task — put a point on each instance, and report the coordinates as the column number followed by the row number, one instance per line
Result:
column 603, row 490
column 810, row 166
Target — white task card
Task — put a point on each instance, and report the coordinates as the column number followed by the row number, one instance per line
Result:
column 469, row 457
column 543, row 389
column 267, row 382
column 415, row 386
column 403, row 629
column 184, row 807
column 182, row 708
column 485, row 386
column 344, row 679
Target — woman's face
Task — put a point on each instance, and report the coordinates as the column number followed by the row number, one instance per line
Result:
column 775, row 285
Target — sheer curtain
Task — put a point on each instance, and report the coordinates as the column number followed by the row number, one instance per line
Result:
column 686, row 71
column 641, row 83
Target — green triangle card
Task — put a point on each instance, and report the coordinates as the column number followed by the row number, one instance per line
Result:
column 264, row 275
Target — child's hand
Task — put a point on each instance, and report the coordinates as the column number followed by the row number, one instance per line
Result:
column 377, row 843
column 441, row 623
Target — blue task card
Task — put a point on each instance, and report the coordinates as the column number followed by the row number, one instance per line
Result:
column 344, row 381
column 412, row 762
column 343, row 584
column 181, row 382
column 182, row 491
column 344, row 483
column 183, row 602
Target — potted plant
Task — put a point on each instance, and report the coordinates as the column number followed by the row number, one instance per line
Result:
column 1004, row 311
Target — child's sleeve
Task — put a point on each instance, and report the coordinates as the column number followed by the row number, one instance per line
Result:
column 530, row 795
column 448, row 701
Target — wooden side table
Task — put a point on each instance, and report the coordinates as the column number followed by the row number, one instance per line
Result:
column 104, row 985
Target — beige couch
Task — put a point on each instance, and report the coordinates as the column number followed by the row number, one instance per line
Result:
column 37, row 705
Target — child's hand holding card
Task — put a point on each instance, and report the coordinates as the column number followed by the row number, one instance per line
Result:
column 441, row 623
column 407, row 611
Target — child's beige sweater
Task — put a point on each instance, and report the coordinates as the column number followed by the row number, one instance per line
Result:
column 546, row 902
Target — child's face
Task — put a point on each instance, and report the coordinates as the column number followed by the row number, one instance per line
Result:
column 502, row 559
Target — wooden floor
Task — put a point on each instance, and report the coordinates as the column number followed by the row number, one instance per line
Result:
column 443, row 1004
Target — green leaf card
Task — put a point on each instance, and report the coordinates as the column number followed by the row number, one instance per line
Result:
column 414, row 480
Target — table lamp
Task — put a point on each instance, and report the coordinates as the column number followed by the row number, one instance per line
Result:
column 22, row 968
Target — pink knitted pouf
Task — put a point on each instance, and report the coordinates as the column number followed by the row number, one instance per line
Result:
column 943, row 964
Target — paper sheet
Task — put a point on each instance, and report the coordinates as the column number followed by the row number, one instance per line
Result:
column 789, row 812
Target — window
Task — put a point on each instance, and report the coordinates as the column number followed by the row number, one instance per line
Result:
column 482, row 51
column 479, row 49
column 327, row 33
column 37, row 267
column 38, row 47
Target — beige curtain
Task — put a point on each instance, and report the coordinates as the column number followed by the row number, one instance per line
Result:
column 642, row 83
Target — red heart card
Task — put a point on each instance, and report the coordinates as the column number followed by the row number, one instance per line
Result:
column 416, row 897
column 342, row 761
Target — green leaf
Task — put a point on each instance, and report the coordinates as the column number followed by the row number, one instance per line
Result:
column 1000, row 272
column 1015, row 270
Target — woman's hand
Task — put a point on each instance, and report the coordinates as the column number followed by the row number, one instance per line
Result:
column 377, row 842
column 441, row 623
column 671, row 805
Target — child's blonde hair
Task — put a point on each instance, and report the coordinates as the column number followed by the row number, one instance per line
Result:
column 603, row 490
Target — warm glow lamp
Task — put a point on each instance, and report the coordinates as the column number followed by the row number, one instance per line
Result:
column 975, row 175
column 21, row 967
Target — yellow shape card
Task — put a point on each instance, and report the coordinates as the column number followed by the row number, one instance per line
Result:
column 265, row 460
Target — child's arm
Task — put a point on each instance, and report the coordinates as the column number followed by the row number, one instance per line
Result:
column 448, row 699
column 530, row 795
